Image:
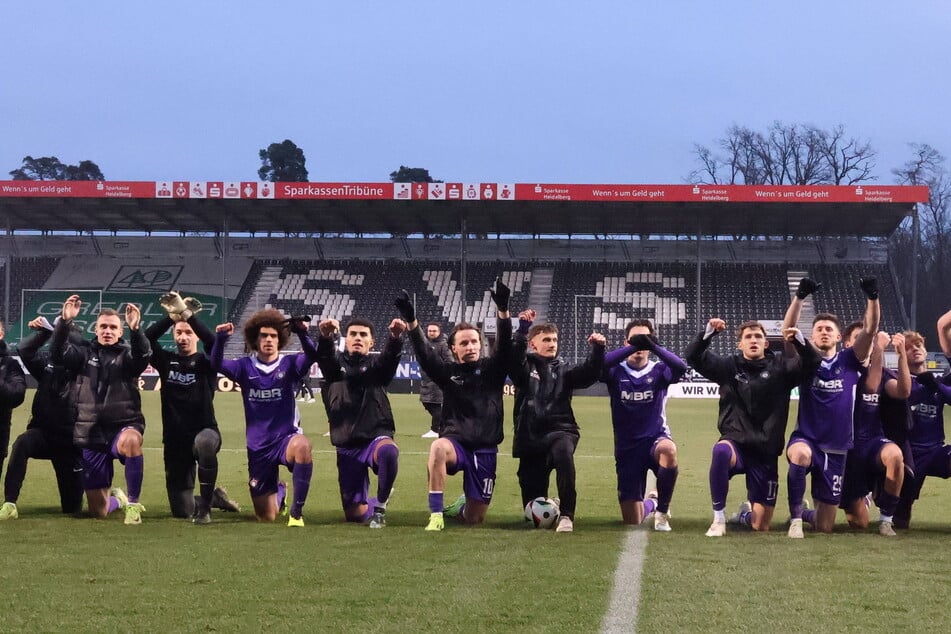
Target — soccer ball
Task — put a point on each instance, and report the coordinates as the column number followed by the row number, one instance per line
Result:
column 543, row 512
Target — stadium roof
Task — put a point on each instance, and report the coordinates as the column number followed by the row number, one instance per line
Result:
column 440, row 208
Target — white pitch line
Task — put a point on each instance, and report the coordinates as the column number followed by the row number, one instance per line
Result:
column 622, row 611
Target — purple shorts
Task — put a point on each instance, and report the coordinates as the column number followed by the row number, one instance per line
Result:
column 97, row 465
column 827, row 471
column 631, row 465
column 352, row 474
column 933, row 461
column 263, row 464
column 762, row 477
column 478, row 471
column 863, row 469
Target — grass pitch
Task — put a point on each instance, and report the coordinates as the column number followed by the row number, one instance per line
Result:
column 238, row 575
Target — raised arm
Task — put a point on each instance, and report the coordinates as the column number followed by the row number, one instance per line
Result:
column 518, row 364
column 870, row 321
column 899, row 387
column 586, row 374
column 140, row 351
column 29, row 347
column 228, row 367
column 806, row 288
column 944, row 333
column 711, row 365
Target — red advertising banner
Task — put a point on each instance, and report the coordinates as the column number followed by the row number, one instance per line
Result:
column 466, row 191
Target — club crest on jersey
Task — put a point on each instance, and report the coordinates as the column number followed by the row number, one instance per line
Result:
column 764, row 374
column 534, row 375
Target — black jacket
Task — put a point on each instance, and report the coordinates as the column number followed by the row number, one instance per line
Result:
column 543, row 390
column 51, row 412
column 105, row 396
column 429, row 392
column 472, row 411
column 754, row 394
column 188, row 383
column 12, row 388
column 353, row 389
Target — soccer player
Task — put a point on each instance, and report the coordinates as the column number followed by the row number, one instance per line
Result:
column 546, row 433
column 929, row 395
column 642, row 440
column 272, row 420
column 823, row 433
column 12, row 393
column 754, row 407
column 429, row 393
column 353, row 389
column 109, row 422
column 49, row 434
column 472, row 414
column 190, row 435
column 875, row 463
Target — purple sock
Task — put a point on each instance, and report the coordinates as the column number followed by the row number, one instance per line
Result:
column 301, row 479
column 387, row 465
column 371, row 504
column 720, row 475
column 281, row 494
column 809, row 517
column 796, row 482
column 435, row 501
column 133, row 476
column 113, row 504
column 650, row 505
column 666, row 479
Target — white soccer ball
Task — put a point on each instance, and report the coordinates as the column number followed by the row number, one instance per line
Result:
column 543, row 512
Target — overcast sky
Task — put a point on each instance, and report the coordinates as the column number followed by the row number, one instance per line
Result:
column 517, row 91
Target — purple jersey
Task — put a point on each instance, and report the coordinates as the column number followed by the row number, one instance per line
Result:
column 868, row 416
column 270, row 411
column 927, row 412
column 827, row 402
column 638, row 402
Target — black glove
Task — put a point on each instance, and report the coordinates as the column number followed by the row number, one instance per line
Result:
column 928, row 380
column 405, row 306
column 807, row 287
column 298, row 324
column 501, row 295
column 641, row 342
column 870, row 287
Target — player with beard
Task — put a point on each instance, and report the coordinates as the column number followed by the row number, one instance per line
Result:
column 875, row 463
column 190, row 437
column 353, row 389
column 472, row 413
column 642, row 439
column 754, row 406
column 546, row 432
column 272, row 420
column 823, row 433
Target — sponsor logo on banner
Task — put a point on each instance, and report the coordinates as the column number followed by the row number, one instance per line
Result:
column 163, row 190
column 249, row 189
column 266, row 190
column 506, row 191
column 401, row 191
column 420, row 191
column 470, row 191
column 232, row 190
column 198, row 190
column 454, row 191
column 180, row 189
column 216, row 189
column 437, row 191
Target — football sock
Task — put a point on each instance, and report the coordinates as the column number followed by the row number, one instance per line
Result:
column 281, row 494
column 133, row 476
column 301, row 479
column 796, row 483
column 719, row 517
column 435, row 502
column 887, row 503
column 650, row 505
column 387, row 465
column 113, row 504
column 720, row 475
column 666, row 479
column 809, row 517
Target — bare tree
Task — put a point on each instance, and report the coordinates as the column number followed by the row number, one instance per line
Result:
column 785, row 154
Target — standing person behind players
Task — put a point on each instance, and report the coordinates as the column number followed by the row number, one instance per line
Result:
column 642, row 440
column 190, row 435
column 107, row 404
column 49, row 434
column 272, row 420
column 472, row 412
column 546, row 433
column 823, row 434
column 929, row 395
column 753, row 411
column 12, row 393
column 353, row 389
column 429, row 393
column 875, row 463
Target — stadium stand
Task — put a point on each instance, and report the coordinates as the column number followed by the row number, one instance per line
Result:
column 25, row 273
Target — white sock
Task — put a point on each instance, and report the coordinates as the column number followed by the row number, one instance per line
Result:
column 719, row 516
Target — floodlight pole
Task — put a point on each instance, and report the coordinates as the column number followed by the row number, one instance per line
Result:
column 576, row 323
